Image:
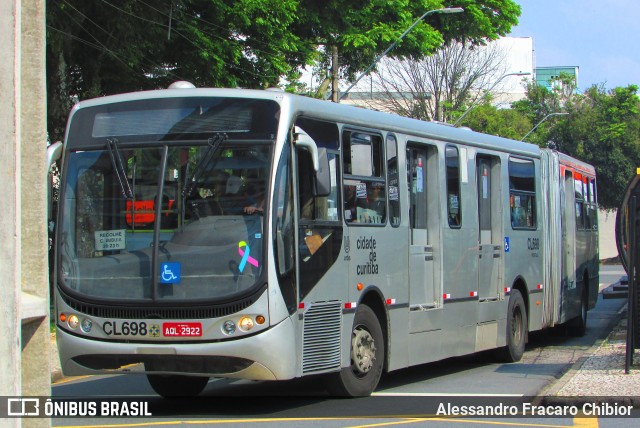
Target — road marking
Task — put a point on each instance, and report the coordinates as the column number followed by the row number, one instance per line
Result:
column 409, row 420
column 70, row 379
column 458, row 420
column 585, row 422
column 439, row 394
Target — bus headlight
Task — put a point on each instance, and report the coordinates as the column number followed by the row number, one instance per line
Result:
column 245, row 324
column 86, row 325
column 229, row 327
column 73, row 322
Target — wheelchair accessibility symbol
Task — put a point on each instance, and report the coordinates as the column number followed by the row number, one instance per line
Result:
column 170, row 273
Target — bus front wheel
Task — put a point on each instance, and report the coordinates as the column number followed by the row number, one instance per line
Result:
column 516, row 329
column 176, row 386
column 367, row 358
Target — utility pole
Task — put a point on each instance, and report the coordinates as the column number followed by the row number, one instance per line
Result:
column 335, row 90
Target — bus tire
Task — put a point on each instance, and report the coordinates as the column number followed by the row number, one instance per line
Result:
column 367, row 358
column 176, row 386
column 578, row 325
column 516, row 333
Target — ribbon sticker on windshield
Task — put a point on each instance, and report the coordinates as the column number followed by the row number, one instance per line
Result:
column 244, row 250
column 170, row 273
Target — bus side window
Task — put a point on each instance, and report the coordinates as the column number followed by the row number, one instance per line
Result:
column 580, row 220
column 365, row 192
column 454, row 209
column 593, row 207
column 522, row 194
column 392, row 180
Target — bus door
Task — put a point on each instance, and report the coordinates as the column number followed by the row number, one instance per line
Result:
column 568, row 233
column 423, row 220
column 319, row 226
column 490, row 226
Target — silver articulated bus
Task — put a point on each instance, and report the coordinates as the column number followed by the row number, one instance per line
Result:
column 262, row 235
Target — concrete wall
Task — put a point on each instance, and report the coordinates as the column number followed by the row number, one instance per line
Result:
column 10, row 268
column 24, row 308
column 606, row 229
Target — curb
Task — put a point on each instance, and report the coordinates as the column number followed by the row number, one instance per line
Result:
column 56, row 370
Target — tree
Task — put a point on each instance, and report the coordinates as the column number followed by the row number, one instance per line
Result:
column 540, row 102
column 111, row 46
column 440, row 85
column 363, row 29
column 105, row 47
column 507, row 123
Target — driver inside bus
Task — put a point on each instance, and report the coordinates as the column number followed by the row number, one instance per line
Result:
column 235, row 198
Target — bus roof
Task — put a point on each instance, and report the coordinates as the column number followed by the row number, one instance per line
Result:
column 342, row 113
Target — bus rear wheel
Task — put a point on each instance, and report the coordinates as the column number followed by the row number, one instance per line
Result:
column 578, row 326
column 176, row 386
column 516, row 329
column 367, row 358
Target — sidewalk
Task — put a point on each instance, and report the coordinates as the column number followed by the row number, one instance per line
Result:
column 600, row 374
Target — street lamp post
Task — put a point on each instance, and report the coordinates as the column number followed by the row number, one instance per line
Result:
column 475, row 103
column 393, row 45
column 540, row 123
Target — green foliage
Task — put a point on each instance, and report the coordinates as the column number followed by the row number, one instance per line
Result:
column 603, row 129
column 482, row 20
column 362, row 29
column 102, row 47
column 507, row 123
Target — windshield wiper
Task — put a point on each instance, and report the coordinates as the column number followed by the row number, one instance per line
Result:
column 190, row 183
column 118, row 167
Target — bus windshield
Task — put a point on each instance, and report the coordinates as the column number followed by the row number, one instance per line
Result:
column 167, row 222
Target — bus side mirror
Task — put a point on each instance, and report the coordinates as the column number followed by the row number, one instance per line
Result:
column 320, row 162
column 54, row 153
column 323, row 175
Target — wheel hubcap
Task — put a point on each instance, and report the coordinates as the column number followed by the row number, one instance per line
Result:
column 363, row 351
column 516, row 327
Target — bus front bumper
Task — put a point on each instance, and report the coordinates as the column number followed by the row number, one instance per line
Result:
column 269, row 355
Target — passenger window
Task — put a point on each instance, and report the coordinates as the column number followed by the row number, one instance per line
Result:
column 522, row 194
column 580, row 205
column 362, row 154
column 454, row 206
column 592, row 214
column 365, row 192
column 393, row 181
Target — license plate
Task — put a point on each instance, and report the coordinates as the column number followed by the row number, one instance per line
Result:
column 182, row 329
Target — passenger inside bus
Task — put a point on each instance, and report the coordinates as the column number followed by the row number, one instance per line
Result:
column 374, row 206
column 212, row 202
column 350, row 203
